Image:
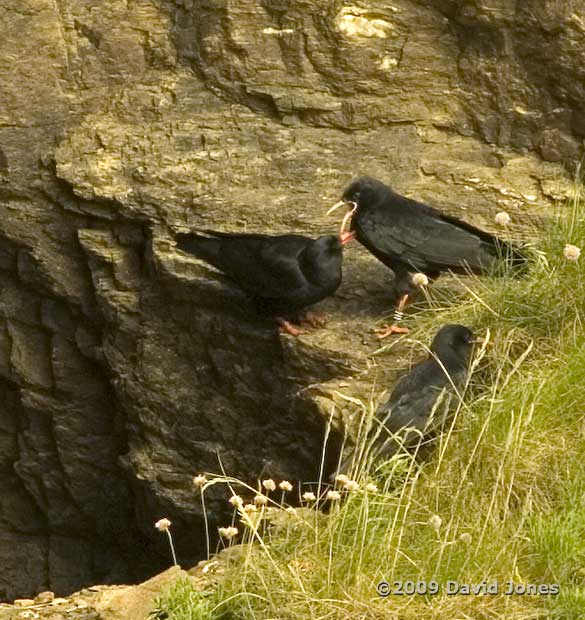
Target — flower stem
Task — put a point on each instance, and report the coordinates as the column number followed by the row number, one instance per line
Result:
column 172, row 548
column 206, row 524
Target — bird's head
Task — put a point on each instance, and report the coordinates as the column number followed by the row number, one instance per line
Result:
column 328, row 248
column 323, row 256
column 454, row 342
column 329, row 244
column 362, row 193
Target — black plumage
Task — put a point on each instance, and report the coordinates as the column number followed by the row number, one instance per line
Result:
column 411, row 237
column 423, row 399
column 282, row 274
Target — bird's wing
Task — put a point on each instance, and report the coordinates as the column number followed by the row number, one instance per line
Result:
column 267, row 267
column 418, row 406
column 413, row 418
column 413, row 409
column 421, row 237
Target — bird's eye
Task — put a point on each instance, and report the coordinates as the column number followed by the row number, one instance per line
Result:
column 356, row 195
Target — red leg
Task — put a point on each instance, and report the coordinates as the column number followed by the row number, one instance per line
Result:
column 388, row 330
column 286, row 327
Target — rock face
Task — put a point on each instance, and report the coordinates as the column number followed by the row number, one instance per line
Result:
column 126, row 367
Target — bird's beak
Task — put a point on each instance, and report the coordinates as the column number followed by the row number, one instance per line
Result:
column 346, row 237
column 336, row 206
column 347, row 217
column 479, row 341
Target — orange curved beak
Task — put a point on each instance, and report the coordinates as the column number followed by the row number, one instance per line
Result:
column 347, row 217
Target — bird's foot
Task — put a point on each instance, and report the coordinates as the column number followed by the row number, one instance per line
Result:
column 388, row 330
column 313, row 319
column 286, row 327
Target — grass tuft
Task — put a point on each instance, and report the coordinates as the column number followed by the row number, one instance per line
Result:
column 183, row 602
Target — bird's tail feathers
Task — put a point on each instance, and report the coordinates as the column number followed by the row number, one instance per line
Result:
column 511, row 258
column 509, row 254
column 205, row 248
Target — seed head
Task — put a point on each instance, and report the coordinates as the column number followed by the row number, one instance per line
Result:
column 309, row 496
column 199, row 481
column 466, row 538
column 228, row 532
column 291, row 510
column 435, row 522
column 269, row 484
column 571, row 252
column 420, row 279
column 250, row 508
column 285, row 485
column 371, row 487
column 333, row 495
column 163, row 525
column 236, row 501
column 260, row 500
column 502, row 218
column 341, row 478
column 351, row 485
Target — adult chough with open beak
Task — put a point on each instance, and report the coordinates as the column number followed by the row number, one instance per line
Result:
column 416, row 241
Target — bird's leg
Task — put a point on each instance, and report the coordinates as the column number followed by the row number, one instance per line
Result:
column 286, row 327
column 314, row 319
column 388, row 330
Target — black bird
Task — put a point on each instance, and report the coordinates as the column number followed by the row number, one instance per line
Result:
column 282, row 274
column 410, row 237
column 424, row 398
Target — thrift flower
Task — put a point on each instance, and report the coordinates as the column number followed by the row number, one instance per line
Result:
column 502, row 218
column 199, row 481
column 228, row 532
column 162, row 525
column 435, row 522
column 269, row 484
column 285, row 485
column 236, row 501
column 571, row 252
column 420, row 279
column 309, row 496
column 333, row 495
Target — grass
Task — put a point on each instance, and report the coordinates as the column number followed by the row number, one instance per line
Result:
column 183, row 602
column 507, row 481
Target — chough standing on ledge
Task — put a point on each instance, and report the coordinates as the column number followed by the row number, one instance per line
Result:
column 424, row 399
column 410, row 237
column 283, row 274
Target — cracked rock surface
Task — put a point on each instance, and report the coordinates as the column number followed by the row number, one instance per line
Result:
column 127, row 367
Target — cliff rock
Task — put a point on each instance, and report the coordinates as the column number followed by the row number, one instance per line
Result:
column 127, row 367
